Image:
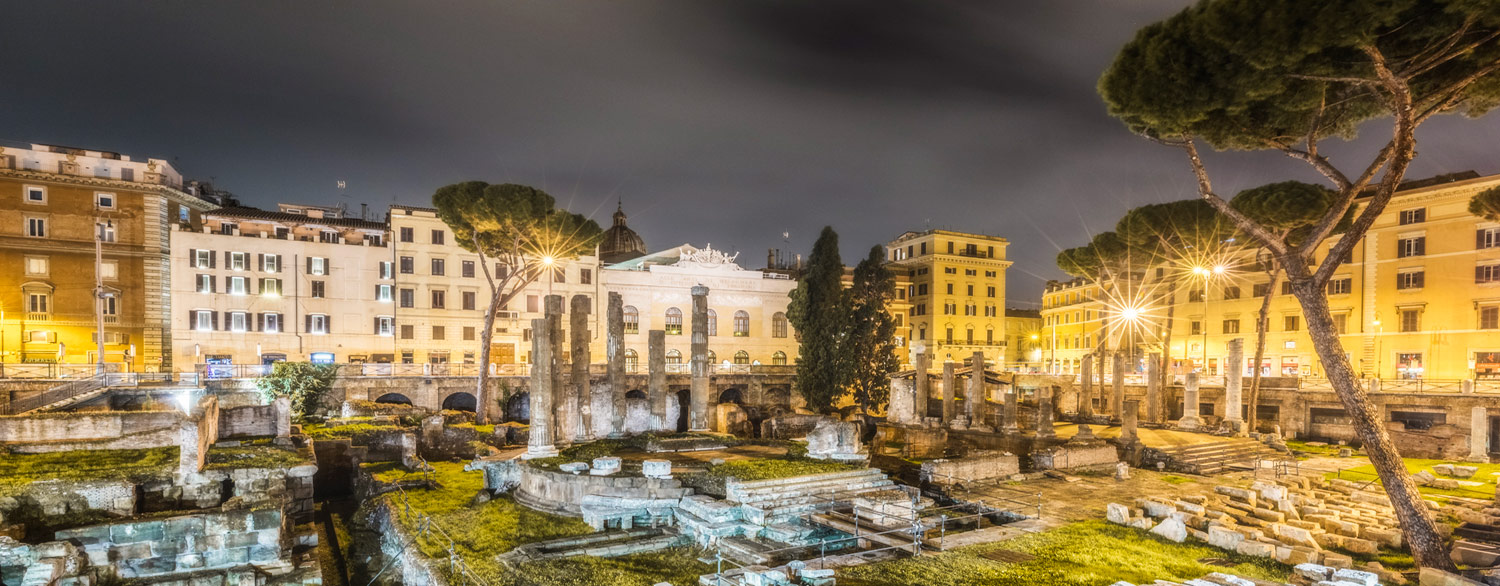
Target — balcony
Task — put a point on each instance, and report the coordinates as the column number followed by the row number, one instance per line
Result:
column 38, row 316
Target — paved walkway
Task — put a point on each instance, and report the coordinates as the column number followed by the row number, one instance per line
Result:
column 1153, row 438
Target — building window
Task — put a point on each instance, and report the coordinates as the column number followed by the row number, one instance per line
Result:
column 383, row 293
column 741, row 324
column 1487, row 238
column 779, row 358
column 559, row 275
column 439, row 267
column 1260, row 289
column 437, row 236
column 408, row 298
column 328, row 237
column 778, row 325
column 713, row 323
column 1232, row 292
column 1340, row 286
column 408, row 332
column 1286, row 287
column 205, row 283
column 270, row 323
column 36, row 194
column 105, row 231
column 109, row 305
column 317, row 323
column 385, row 269
column 1195, row 295
column 1412, row 279
column 319, row 290
column 104, row 201
column 317, row 265
column 674, row 321
column 742, row 357
column 270, row 287
column 238, row 261
column 408, row 265
column 632, row 360
column 408, row 235
column 1195, row 328
column 439, row 332
column 1411, row 320
column 1291, row 323
column 1231, row 326
column 439, row 299
column 1489, row 273
column 1341, row 323
column 1409, row 365
column 674, row 357
column 467, row 269
column 949, row 338
column 1489, row 317
column 1415, row 216
column 36, row 227
column 468, row 333
column 271, row 263
column 237, row 286
column 36, row 265
column 1415, row 246
column 586, row 276
column 203, row 259
column 385, row 326
column 203, row 321
column 237, row 321
column 632, row 319
column 469, row 299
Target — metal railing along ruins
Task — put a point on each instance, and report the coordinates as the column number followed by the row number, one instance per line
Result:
column 231, row 371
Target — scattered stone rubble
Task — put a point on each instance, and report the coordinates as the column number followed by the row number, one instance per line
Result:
column 1302, row 575
column 1294, row 520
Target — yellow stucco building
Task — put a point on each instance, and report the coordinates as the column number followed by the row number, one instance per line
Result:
column 955, row 292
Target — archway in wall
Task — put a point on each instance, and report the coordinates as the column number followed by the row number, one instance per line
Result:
column 684, row 408
column 732, row 395
column 779, row 396
column 394, row 398
column 518, row 408
column 460, row 401
column 635, row 394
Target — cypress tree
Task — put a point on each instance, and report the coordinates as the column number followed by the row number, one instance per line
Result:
column 818, row 310
column 870, row 347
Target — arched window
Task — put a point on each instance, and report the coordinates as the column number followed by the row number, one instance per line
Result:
column 674, row 357
column 778, row 325
column 712, row 358
column 741, row 324
column 674, row 321
column 631, row 360
column 742, row 357
column 713, row 323
column 632, row 320
column 778, row 358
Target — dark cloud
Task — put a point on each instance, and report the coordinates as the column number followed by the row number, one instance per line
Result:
column 722, row 122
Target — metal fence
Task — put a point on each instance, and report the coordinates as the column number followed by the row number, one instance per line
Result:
column 54, row 371
column 61, row 392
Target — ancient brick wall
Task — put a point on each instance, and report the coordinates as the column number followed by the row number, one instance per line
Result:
column 188, row 543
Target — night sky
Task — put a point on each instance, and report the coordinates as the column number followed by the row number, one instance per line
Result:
column 716, row 122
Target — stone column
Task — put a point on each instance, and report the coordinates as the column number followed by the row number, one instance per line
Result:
column 1086, row 388
column 974, row 399
column 614, row 349
column 924, row 386
column 949, row 393
column 1153, row 389
column 903, row 402
column 1234, row 369
column 563, row 405
column 1129, row 415
column 1113, row 408
column 698, row 421
column 1118, row 403
column 656, row 386
column 539, row 443
column 578, row 335
column 1008, row 423
column 1479, row 435
column 1190, row 420
column 1044, row 413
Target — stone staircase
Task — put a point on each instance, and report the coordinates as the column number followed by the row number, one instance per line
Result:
column 770, row 509
column 1219, row 456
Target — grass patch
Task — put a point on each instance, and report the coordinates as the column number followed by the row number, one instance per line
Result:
column 480, row 532
column 391, row 472
column 253, row 456
column 1305, row 450
column 353, row 431
column 18, row 470
column 487, row 429
column 769, row 468
column 1485, row 475
column 1091, row 553
column 1174, row 479
column 675, row 566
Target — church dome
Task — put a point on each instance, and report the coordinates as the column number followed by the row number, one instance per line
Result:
column 620, row 243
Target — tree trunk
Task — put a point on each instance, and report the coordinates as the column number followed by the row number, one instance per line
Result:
column 1260, row 346
column 1416, row 524
column 484, row 361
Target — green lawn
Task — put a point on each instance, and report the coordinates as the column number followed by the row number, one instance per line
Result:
column 1328, row 450
column 768, row 468
column 17, row 470
column 1485, row 475
column 675, row 566
column 253, row 456
column 355, row 431
column 1092, row 553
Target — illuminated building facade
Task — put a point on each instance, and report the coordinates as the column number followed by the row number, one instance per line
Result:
column 955, row 288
